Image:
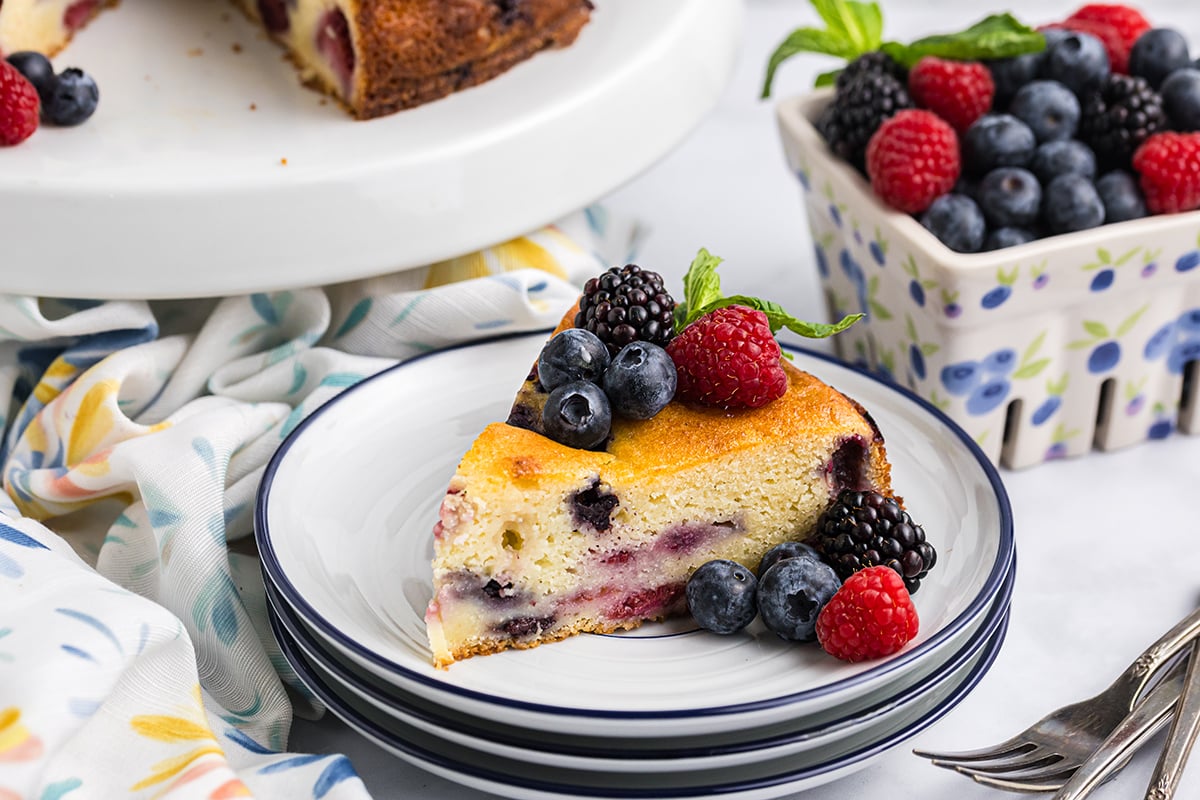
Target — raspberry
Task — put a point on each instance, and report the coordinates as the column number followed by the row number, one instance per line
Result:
column 913, row 159
column 1169, row 167
column 19, row 106
column 959, row 92
column 728, row 359
column 871, row 616
column 1117, row 26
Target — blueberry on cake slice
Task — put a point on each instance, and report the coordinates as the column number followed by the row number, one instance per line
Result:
column 626, row 464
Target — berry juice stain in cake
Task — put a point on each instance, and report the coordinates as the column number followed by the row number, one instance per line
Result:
column 592, row 508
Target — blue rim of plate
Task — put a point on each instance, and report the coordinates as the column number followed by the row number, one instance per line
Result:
column 273, row 570
column 294, row 630
column 380, row 735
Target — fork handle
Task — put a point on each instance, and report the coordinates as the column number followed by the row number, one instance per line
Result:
column 1169, row 645
column 1184, row 729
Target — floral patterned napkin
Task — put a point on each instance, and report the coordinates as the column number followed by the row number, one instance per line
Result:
column 135, row 655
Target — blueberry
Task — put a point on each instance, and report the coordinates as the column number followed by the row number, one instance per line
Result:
column 917, row 292
column 640, row 381
column 574, row 354
column 851, row 268
column 1158, row 344
column 1104, row 357
column 995, row 297
column 1157, row 53
column 785, row 550
column 822, row 261
column 1050, row 109
column 1063, row 157
column 1046, row 410
column 1001, row 362
column 37, row 69
column 1181, row 99
column 1188, row 261
column 1161, row 429
column 792, row 593
column 1010, row 74
column 997, row 140
column 1102, row 280
column 1078, row 61
column 1189, row 321
column 721, row 596
column 1181, row 355
column 1121, row 196
column 577, row 415
column 961, row 378
column 988, row 396
column 957, row 221
column 73, row 99
column 1010, row 197
column 1000, row 238
column 1070, row 203
column 877, row 253
column 917, row 359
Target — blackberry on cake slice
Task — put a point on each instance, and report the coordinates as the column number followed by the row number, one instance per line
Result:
column 537, row 541
column 867, row 529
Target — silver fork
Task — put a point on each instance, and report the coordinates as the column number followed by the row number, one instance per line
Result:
column 1044, row 756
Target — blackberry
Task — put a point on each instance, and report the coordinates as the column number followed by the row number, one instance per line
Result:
column 875, row 61
column 866, row 529
column 1118, row 117
column 627, row 304
column 859, row 108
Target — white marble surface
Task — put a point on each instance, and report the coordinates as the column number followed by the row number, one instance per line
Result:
column 1107, row 544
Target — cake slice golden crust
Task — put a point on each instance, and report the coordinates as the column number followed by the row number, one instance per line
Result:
column 537, row 541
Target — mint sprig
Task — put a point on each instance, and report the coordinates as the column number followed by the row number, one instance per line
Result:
column 995, row 36
column 853, row 28
column 702, row 294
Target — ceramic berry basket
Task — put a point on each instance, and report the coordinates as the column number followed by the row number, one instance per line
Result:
column 1071, row 343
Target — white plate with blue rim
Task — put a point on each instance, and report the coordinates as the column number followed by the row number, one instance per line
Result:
column 769, row 778
column 347, row 505
column 599, row 754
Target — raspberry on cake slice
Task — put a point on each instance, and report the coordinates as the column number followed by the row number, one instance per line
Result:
column 538, row 540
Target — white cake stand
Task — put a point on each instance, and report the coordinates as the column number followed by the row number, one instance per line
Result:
column 207, row 170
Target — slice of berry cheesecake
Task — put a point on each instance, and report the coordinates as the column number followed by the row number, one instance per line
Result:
column 539, row 539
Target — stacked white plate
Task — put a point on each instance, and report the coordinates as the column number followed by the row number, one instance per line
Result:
column 344, row 523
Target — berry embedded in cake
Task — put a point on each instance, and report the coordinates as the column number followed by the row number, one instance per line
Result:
column 538, row 539
column 375, row 58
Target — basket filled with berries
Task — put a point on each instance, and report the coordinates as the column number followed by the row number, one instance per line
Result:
column 1015, row 210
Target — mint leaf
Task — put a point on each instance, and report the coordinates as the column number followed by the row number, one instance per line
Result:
column 827, row 78
column 851, row 29
column 861, row 24
column 702, row 294
column 778, row 319
column 701, row 286
column 806, row 40
column 995, row 36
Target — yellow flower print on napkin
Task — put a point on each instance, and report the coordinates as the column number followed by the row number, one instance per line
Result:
column 17, row 743
column 193, row 731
